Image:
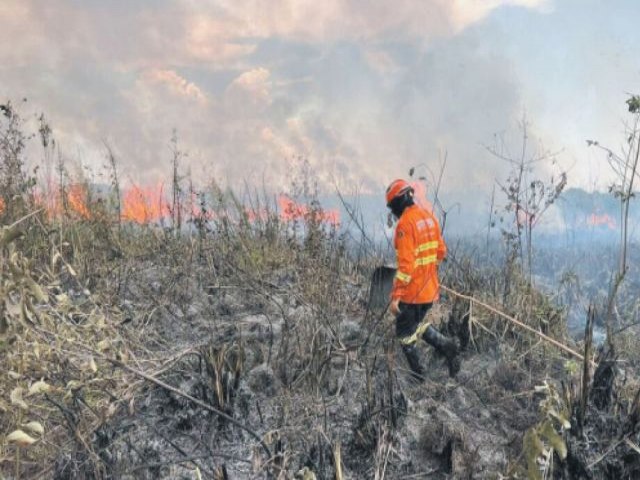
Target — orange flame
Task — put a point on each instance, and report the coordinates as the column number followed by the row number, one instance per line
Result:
column 77, row 199
column 601, row 219
column 254, row 215
column 524, row 218
column 290, row 210
column 144, row 204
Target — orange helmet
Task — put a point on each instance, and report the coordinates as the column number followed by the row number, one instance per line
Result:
column 397, row 189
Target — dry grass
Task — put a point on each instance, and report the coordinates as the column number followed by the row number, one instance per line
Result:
column 243, row 344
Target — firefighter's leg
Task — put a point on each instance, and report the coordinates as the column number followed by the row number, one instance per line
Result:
column 413, row 359
column 444, row 345
column 406, row 325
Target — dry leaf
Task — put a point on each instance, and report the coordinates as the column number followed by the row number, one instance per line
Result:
column 20, row 438
column 63, row 299
column 16, row 398
column 555, row 439
column 35, row 427
column 36, row 290
column 74, row 385
column 39, row 387
column 13, row 310
column 54, row 259
column 306, row 474
column 8, row 235
column 92, row 365
column 111, row 410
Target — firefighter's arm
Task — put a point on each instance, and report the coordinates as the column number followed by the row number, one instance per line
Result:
column 405, row 251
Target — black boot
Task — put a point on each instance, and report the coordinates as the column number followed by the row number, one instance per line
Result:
column 411, row 352
column 445, row 346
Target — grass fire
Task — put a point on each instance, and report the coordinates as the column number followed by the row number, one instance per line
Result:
column 295, row 241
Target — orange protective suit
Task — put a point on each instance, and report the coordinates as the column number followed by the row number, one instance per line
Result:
column 420, row 248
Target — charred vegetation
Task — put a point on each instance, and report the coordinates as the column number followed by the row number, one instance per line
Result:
column 243, row 340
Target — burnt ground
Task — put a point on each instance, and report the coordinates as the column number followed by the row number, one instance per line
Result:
column 336, row 384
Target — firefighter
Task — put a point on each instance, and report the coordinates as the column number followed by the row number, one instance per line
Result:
column 419, row 249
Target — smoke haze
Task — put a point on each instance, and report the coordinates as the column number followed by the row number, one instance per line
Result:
column 363, row 90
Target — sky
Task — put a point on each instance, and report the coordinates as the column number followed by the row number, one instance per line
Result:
column 363, row 90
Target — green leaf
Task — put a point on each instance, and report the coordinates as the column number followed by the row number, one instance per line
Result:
column 634, row 104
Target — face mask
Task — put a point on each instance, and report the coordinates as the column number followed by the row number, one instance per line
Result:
column 396, row 210
column 398, row 205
